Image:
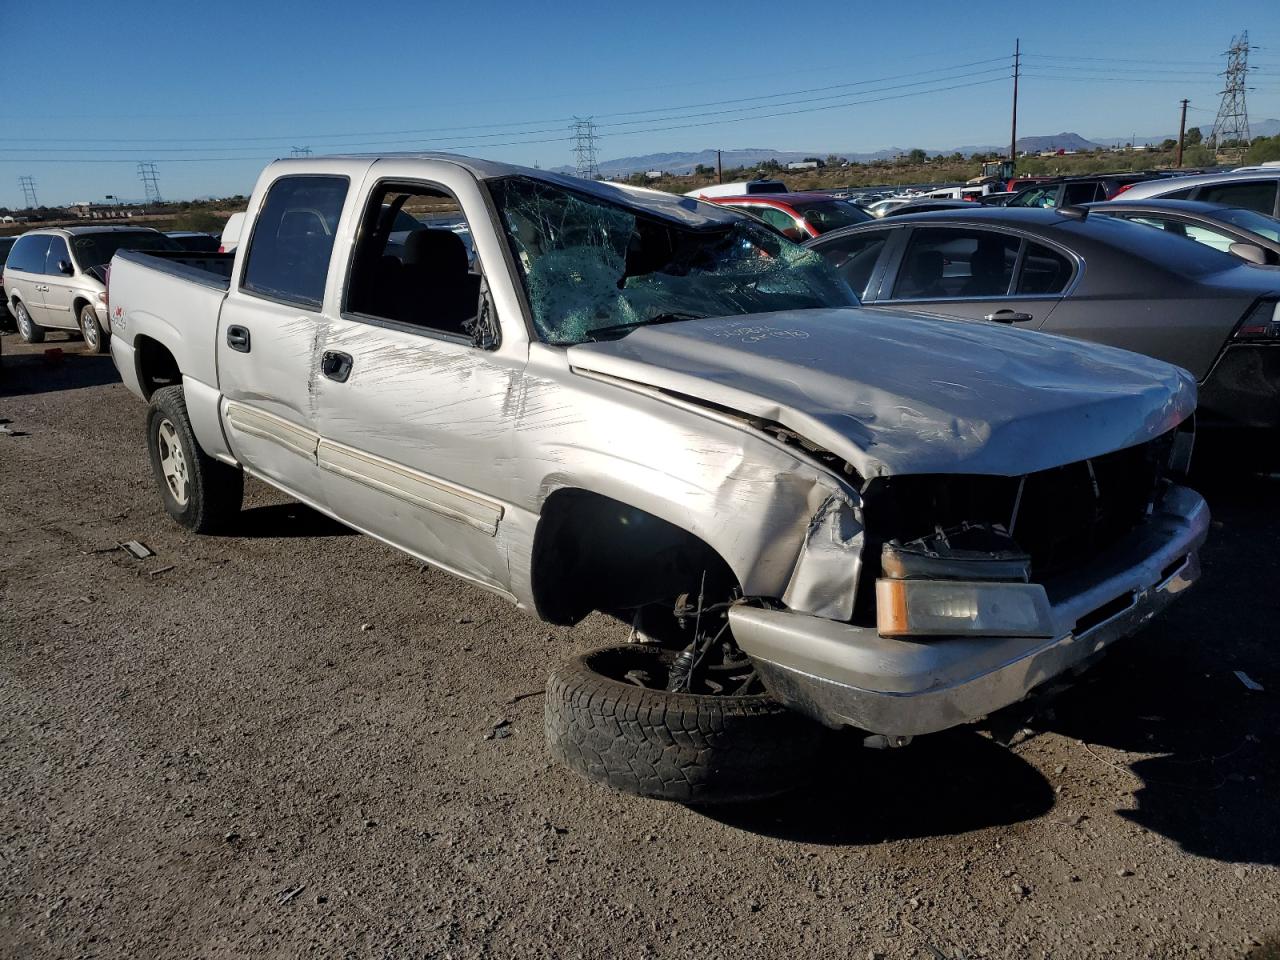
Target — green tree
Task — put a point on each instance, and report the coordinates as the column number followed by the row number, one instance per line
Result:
column 917, row 156
column 1168, row 144
column 1263, row 149
column 1194, row 136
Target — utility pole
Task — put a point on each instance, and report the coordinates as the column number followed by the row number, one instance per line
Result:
column 719, row 169
column 1182, row 133
column 28, row 185
column 1017, row 70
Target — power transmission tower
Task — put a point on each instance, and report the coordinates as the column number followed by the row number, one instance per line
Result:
column 150, row 182
column 1232, row 123
column 300, row 152
column 584, row 149
column 28, row 185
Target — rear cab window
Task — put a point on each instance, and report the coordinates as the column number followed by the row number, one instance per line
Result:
column 292, row 239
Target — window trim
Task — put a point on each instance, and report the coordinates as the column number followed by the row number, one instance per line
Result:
column 253, row 234
column 887, row 252
column 376, row 187
column 1078, row 266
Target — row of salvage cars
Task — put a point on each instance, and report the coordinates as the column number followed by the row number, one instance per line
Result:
column 893, row 516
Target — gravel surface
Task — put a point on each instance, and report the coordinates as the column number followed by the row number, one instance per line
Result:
column 280, row 743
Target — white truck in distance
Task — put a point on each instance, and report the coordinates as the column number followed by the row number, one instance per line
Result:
column 652, row 406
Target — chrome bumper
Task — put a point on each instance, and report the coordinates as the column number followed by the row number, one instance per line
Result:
column 845, row 675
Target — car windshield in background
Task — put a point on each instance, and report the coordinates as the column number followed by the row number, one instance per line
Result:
column 594, row 270
column 95, row 249
column 1252, row 221
column 827, row 215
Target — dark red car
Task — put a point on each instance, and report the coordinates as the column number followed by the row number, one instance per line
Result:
column 800, row 216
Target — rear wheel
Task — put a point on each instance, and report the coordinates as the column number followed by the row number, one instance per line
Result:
column 27, row 328
column 201, row 493
column 95, row 338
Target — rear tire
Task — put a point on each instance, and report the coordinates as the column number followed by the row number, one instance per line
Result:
column 199, row 492
column 691, row 748
column 27, row 328
column 95, row 338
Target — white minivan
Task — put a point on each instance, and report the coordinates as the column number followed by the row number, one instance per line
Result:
column 53, row 278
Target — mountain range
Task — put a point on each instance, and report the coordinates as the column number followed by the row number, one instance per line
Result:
column 686, row 161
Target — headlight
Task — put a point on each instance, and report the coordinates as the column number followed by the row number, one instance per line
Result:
column 932, row 608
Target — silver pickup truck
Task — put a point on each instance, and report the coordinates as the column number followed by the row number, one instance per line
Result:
column 582, row 396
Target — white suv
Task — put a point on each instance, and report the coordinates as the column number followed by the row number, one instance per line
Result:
column 1254, row 189
column 53, row 279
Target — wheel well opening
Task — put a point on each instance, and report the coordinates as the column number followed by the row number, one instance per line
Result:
column 79, row 304
column 592, row 552
column 156, row 366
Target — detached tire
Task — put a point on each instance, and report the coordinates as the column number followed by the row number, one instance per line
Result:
column 691, row 748
column 201, row 493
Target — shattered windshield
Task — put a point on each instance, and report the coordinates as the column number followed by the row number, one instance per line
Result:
column 595, row 270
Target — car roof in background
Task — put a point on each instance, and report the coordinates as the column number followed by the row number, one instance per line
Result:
column 85, row 231
column 1169, row 184
column 797, row 197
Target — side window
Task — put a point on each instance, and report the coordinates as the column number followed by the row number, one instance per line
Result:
column 1081, row 193
column 781, row 220
column 1257, row 195
column 28, row 254
column 1044, row 271
column 293, row 239
column 854, row 257
column 946, row 264
column 414, row 262
column 1177, row 194
column 57, row 253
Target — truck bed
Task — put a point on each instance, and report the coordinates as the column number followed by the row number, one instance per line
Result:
column 210, row 269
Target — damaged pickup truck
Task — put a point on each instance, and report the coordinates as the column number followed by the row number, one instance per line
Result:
column 586, row 397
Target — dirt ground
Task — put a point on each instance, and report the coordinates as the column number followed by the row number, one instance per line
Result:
column 273, row 744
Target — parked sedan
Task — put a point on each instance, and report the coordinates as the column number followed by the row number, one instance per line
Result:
column 1093, row 277
column 1253, row 189
column 1250, row 235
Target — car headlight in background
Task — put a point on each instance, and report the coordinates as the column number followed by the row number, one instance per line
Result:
column 933, row 608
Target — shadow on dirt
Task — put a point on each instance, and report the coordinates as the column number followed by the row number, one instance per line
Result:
column 284, row 520
column 65, row 367
column 944, row 784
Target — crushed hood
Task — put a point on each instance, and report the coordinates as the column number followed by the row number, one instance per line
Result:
column 893, row 393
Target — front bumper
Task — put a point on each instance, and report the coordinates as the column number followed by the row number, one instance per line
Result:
column 845, row 675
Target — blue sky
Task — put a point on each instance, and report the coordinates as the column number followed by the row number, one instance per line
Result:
column 211, row 91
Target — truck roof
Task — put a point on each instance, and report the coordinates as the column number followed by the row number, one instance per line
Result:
column 688, row 211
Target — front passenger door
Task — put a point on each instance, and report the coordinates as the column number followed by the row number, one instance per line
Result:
column 964, row 271
column 59, row 294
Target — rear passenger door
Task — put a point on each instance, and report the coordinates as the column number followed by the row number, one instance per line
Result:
column 271, row 330
column 966, row 271
column 24, row 274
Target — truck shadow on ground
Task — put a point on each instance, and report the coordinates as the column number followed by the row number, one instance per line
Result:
column 283, row 521
column 945, row 784
column 28, row 373
column 1163, row 716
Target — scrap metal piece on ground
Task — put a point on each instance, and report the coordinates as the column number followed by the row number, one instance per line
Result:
column 139, row 550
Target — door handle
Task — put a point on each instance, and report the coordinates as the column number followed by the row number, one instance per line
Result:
column 238, row 338
column 336, row 365
column 1008, row 316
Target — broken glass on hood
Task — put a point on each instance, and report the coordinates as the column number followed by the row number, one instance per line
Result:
column 595, row 269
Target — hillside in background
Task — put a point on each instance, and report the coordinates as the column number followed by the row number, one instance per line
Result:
column 687, row 161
